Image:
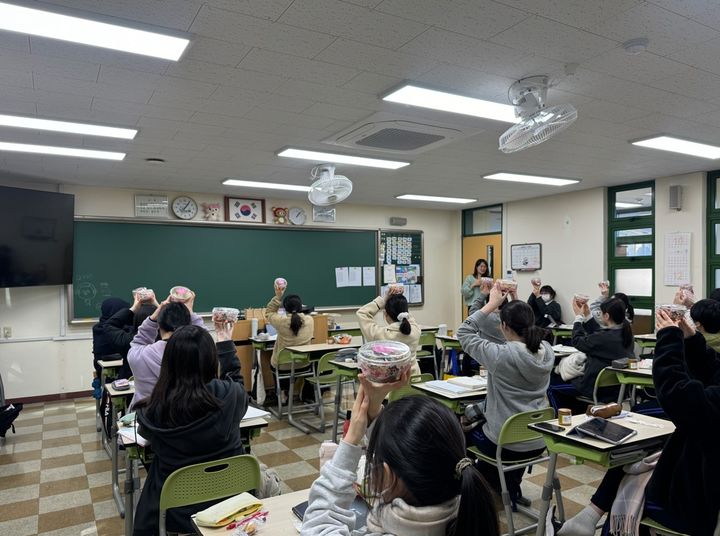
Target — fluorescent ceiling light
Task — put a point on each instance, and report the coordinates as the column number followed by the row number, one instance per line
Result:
column 448, row 102
column 435, row 199
column 66, row 126
column 266, row 185
column 676, row 145
column 89, row 32
column 318, row 156
column 60, row 151
column 532, row 179
column 620, row 204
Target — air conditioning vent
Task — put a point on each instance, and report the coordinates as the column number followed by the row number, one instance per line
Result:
column 390, row 133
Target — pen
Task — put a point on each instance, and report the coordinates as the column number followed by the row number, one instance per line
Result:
column 637, row 421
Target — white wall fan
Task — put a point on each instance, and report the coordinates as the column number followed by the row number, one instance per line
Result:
column 538, row 123
column 328, row 188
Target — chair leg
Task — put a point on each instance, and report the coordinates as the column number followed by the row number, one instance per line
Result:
column 558, row 499
column 507, row 503
column 320, row 405
column 338, row 402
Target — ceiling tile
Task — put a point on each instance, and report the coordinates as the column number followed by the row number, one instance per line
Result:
column 52, row 111
column 319, row 92
column 235, row 27
column 215, row 51
column 364, row 3
column 477, row 18
column 609, row 111
column 553, row 40
column 372, row 83
column 641, row 68
column 351, row 22
column 578, row 13
column 667, row 32
column 82, row 87
column 15, row 42
column 468, row 82
column 264, row 9
column 275, row 63
column 10, row 105
column 705, row 56
column 692, row 82
column 337, row 113
column 147, row 110
column 703, row 11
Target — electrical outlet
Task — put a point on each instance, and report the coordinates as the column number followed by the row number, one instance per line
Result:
column 7, row 332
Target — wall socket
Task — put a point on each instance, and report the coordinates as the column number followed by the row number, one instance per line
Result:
column 7, row 332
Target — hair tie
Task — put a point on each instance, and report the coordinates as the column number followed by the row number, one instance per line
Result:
column 463, row 464
column 403, row 316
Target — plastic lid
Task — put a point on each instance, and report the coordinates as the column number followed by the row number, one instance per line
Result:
column 384, row 351
column 672, row 307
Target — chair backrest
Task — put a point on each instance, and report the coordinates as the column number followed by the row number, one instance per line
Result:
column 209, row 481
column 606, row 378
column 285, row 357
column 515, row 429
column 324, row 366
column 427, row 338
column 409, row 390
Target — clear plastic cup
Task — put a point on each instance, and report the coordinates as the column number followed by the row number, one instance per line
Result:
column 180, row 294
column 508, row 285
column 281, row 282
column 225, row 314
column 581, row 299
column 143, row 294
column 675, row 312
column 536, row 281
column 487, row 280
column 384, row 361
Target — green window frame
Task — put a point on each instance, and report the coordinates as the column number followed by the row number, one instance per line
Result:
column 713, row 219
column 467, row 218
column 645, row 260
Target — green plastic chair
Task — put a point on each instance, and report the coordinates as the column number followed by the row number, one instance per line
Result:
column 298, row 367
column 606, row 378
column 409, row 390
column 657, row 528
column 208, row 481
column 328, row 375
column 515, row 430
column 427, row 338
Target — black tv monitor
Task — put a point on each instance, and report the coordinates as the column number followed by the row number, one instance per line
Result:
column 36, row 237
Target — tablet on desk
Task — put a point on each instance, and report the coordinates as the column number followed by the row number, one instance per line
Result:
column 605, row 430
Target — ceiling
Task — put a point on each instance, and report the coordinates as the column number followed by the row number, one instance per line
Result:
column 264, row 74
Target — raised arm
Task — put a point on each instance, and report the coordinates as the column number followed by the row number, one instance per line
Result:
column 114, row 328
column 366, row 318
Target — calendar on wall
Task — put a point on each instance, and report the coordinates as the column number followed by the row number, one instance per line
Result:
column 677, row 259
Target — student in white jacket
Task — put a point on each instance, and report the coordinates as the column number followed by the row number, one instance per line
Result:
column 416, row 470
column 401, row 326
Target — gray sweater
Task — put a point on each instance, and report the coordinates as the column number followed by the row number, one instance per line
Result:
column 517, row 379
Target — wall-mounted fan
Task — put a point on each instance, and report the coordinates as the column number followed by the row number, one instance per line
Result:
column 328, row 188
column 538, row 123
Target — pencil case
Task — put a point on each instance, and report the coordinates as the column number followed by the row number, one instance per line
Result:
column 222, row 513
column 121, row 385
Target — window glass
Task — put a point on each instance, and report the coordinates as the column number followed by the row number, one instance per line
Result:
column 634, row 281
column 633, row 203
column 483, row 220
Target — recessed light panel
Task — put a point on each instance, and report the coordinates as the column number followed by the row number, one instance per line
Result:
column 319, row 156
column 530, row 179
column 266, row 185
column 67, row 126
column 435, row 199
column 59, row 151
column 677, row 145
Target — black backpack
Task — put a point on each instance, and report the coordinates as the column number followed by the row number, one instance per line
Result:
column 8, row 414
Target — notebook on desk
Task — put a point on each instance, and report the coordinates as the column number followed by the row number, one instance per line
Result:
column 446, row 385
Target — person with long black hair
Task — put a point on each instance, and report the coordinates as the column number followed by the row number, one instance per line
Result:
column 400, row 324
column 417, row 477
column 518, row 377
column 294, row 328
column 192, row 416
column 601, row 345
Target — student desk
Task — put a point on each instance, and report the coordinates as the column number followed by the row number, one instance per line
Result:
column 312, row 352
column 280, row 521
column 136, row 451
column 646, row 341
column 650, row 434
column 351, row 328
column 447, row 342
column 639, row 377
column 454, row 401
column 118, row 402
column 563, row 330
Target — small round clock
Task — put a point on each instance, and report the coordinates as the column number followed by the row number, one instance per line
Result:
column 297, row 216
column 184, row 207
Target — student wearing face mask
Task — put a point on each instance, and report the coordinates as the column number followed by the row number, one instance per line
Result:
column 547, row 310
column 706, row 315
column 518, row 378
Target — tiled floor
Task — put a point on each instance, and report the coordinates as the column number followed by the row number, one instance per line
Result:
column 55, row 475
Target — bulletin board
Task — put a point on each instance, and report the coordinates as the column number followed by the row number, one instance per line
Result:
column 526, row 257
column 401, row 261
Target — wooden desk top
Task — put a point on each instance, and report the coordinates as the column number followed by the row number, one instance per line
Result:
column 280, row 522
column 470, row 395
column 633, row 372
column 646, row 337
column 310, row 348
column 654, row 428
column 110, row 364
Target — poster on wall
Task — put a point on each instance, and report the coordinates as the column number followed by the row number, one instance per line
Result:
column 526, row 257
column 677, row 259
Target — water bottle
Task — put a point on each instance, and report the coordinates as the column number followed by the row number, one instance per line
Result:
column 253, row 327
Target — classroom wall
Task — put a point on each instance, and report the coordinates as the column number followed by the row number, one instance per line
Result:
column 47, row 356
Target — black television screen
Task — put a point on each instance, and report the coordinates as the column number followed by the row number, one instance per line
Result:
column 36, row 237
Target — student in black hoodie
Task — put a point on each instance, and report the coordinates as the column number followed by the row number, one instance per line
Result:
column 103, row 346
column 192, row 416
column 683, row 491
column 547, row 311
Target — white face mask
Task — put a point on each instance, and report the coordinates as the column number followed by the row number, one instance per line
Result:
column 546, row 297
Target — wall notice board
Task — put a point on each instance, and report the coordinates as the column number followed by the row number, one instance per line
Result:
column 401, row 261
column 526, row 257
column 225, row 264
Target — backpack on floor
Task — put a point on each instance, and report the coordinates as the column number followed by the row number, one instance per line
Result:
column 8, row 414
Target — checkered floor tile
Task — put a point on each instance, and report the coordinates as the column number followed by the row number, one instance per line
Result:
column 55, row 475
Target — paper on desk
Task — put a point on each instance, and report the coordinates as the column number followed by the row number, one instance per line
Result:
column 130, row 432
column 388, row 273
column 354, row 276
column 341, row 276
column 368, row 274
column 254, row 413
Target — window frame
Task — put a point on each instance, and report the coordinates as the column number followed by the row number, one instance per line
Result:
column 712, row 259
column 471, row 210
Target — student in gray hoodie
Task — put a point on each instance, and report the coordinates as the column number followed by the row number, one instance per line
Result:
column 518, row 378
column 416, row 472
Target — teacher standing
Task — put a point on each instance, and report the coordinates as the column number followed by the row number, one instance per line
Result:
column 472, row 286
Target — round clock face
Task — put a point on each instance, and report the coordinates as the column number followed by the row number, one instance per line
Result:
column 297, row 216
column 184, row 207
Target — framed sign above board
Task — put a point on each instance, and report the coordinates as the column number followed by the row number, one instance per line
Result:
column 526, row 257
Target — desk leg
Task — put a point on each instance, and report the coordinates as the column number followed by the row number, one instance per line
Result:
column 547, row 492
column 338, row 401
column 117, row 496
column 132, row 482
column 621, row 395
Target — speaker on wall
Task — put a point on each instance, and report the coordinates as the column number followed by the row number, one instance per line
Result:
column 675, row 198
column 394, row 220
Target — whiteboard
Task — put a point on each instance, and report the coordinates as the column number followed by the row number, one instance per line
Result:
column 526, row 257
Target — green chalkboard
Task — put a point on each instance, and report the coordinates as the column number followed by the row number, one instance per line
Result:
column 226, row 265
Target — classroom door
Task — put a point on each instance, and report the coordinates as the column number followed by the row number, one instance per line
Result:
column 489, row 247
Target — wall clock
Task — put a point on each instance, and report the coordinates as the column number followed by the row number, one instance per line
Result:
column 297, row 216
column 185, row 207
